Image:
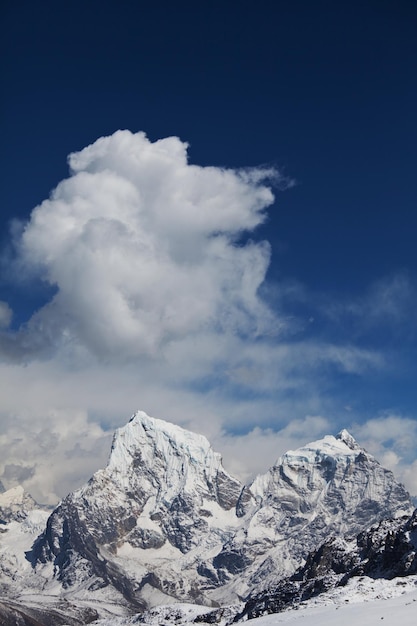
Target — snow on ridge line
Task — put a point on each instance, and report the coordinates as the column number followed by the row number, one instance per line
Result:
column 157, row 452
column 179, row 522
column 341, row 446
column 14, row 495
column 141, row 424
column 345, row 436
column 171, row 439
column 143, row 427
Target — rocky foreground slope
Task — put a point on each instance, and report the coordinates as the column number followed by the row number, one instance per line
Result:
column 387, row 550
column 164, row 522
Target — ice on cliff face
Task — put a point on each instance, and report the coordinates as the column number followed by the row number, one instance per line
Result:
column 172, row 460
column 21, row 521
column 165, row 522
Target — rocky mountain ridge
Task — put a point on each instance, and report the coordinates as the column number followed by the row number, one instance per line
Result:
column 386, row 550
column 164, row 522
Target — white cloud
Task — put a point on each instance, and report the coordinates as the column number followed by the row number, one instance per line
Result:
column 52, row 407
column 157, row 306
column 50, row 453
column 388, row 305
column 143, row 248
column 409, row 477
column 391, row 439
column 254, row 452
column 388, row 429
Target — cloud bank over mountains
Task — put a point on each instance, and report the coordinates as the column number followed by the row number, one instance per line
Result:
column 160, row 302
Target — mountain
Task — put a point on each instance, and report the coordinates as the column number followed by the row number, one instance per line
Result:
column 15, row 505
column 164, row 522
column 328, row 487
column 145, row 523
column 387, row 550
column 381, row 562
column 21, row 521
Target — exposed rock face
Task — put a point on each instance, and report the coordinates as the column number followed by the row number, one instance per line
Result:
column 17, row 615
column 386, row 550
column 164, row 521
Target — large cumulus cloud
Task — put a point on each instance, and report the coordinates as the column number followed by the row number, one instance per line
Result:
column 143, row 248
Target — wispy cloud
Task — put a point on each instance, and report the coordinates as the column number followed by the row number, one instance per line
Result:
column 384, row 310
column 391, row 438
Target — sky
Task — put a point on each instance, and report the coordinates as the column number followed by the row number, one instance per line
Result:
column 208, row 213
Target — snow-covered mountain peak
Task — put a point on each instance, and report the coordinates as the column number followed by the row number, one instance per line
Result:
column 15, row 503
column 347, row 438
column 170, row 460
column 148, row 434
column 341, row 447
column 324, row 455
column 159, row 508
column 328, row 487
column 12, row 496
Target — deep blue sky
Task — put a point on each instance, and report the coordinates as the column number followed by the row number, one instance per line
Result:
column 324, row 91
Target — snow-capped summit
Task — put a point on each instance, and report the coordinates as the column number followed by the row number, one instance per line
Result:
column 144, row 522
column 327, row 487
column 15, row 504
column 333, row 465
column 165, row 522
column 148, row 434
column 172, row 460
column 342, row 448
column 21, row 521
column 347, row 438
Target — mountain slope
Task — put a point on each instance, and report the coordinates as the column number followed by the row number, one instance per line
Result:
column 365, row 603
column 386, row 550
column 21, row 521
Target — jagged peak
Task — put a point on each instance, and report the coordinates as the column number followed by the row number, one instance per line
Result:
column 165, row 494
column 345, row 436
column 15, row 503
column 144, row 430
column 14, row 495
column 174, row 460
column 339, row 446
column 153, row 425
column 147, row 434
